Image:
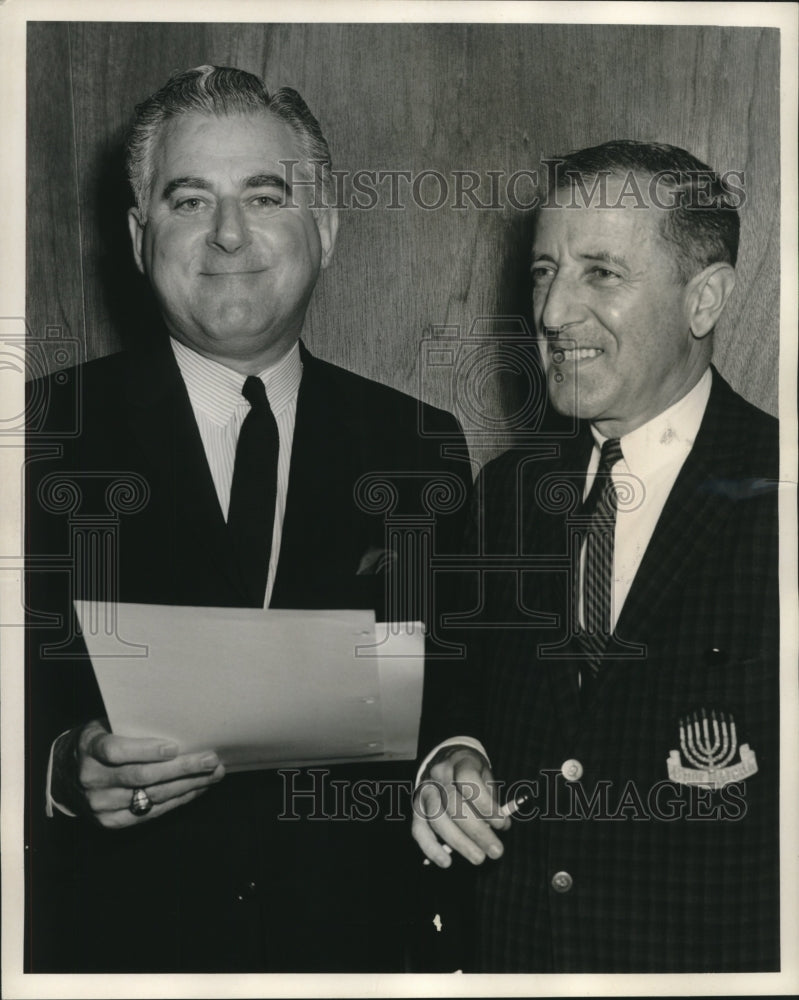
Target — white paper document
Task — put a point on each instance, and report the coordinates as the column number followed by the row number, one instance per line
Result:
column 263, row 688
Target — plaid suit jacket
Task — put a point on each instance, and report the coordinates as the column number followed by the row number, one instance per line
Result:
column 614, row 865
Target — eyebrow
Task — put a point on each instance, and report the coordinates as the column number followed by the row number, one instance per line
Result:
column 267, row 180
column 200, row 183
column 184, row 182
column 602, row 255
column 605, row 257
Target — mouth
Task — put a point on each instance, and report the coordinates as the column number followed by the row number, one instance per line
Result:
column 232, row 274
column 570, row 355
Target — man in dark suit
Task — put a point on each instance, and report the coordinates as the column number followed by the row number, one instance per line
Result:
column 623, row 660
column 140, row 477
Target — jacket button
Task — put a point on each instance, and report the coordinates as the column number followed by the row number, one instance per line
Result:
column 562, row 882
column 572, row 770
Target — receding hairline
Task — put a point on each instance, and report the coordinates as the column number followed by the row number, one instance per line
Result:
column 661, row 214
column 174, row 121
column 171, row 123
column 573, row 178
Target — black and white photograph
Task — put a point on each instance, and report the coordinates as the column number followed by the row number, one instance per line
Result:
column 399, row 567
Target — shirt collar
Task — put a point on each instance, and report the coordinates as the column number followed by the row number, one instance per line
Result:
column 667, row 437
column 215, row 390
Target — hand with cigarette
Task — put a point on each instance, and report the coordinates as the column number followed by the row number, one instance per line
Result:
column 455, row 808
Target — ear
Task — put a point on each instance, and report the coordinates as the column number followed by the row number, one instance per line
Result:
column 136, row 230
column 705, row 297
column 327, row 225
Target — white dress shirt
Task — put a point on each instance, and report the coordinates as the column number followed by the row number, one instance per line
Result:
column 219, row 409
column 653, row 453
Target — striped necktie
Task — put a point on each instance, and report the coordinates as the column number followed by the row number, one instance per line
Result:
column 600, row 511
column 251, row 515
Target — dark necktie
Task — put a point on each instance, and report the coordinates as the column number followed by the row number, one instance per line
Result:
column 251, row 515
column 600, row 508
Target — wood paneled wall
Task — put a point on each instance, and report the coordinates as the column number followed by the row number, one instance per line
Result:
column 405, row 97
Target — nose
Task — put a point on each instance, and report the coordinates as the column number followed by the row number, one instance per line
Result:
column 556, row 305
column 229, row 232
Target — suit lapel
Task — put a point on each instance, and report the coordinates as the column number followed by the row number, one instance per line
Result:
column 691, row 518
column 693, row 514
column 322, row 473
column 318, row 527
column 548, row 533
column 162, row 421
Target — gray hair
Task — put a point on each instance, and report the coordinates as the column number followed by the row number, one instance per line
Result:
column 703, row 225
column 221, row 90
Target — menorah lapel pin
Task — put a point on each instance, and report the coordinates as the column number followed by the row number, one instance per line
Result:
column 709, row 746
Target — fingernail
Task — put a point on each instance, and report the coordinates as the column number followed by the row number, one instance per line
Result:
column 168, row 749
column 495, row 851
column 209, row 762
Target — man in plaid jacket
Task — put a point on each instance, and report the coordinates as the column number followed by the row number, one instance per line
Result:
column 640, row 749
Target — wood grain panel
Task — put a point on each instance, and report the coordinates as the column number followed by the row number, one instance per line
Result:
column 415, row 98
column 54, row 307
column 118, row 68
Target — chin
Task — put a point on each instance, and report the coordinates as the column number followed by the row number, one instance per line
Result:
column 563, row 398
column 238, row 345
column 234, row 322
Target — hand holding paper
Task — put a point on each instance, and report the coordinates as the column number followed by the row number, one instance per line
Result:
column 109, row 768
column 262, row 688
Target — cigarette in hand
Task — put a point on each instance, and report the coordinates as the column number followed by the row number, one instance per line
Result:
column 507, row 810
column 514, row 805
